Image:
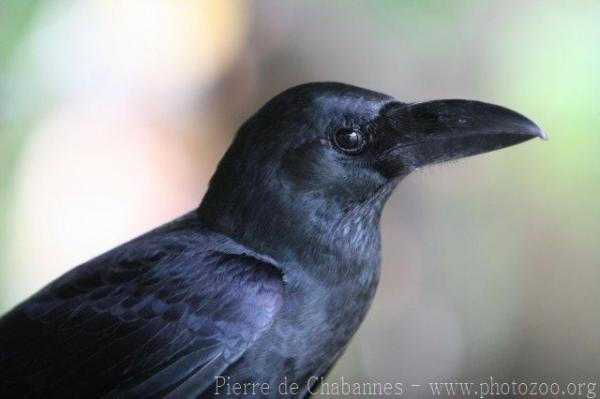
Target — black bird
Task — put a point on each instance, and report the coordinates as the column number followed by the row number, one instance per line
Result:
column 268, row 279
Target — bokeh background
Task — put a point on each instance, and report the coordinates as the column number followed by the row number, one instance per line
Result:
column 114, row 113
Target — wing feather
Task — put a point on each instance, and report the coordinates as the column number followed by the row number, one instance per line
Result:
column 160, row 315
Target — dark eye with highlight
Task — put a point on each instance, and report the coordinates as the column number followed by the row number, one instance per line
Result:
column 349, row 140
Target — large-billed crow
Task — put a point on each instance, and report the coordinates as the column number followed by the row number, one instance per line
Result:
column 265, row 282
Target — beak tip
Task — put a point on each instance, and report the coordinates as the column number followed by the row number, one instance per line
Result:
column 535, row 130
column 539, row 132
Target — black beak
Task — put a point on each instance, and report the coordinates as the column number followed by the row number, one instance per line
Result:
column 430, row 132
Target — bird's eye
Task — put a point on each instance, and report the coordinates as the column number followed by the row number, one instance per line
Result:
column 349, row 140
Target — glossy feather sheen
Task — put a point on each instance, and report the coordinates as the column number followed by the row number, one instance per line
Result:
column 140, row 320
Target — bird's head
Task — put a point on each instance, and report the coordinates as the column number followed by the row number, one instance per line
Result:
column 322, row 156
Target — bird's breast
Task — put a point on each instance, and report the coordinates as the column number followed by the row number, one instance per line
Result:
column 313, row 327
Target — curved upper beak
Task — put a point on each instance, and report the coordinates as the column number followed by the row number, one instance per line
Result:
column 430, row 132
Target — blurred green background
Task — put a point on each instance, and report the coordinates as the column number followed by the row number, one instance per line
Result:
column 113, row 115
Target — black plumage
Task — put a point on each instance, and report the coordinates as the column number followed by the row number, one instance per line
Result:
column 269, row 278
